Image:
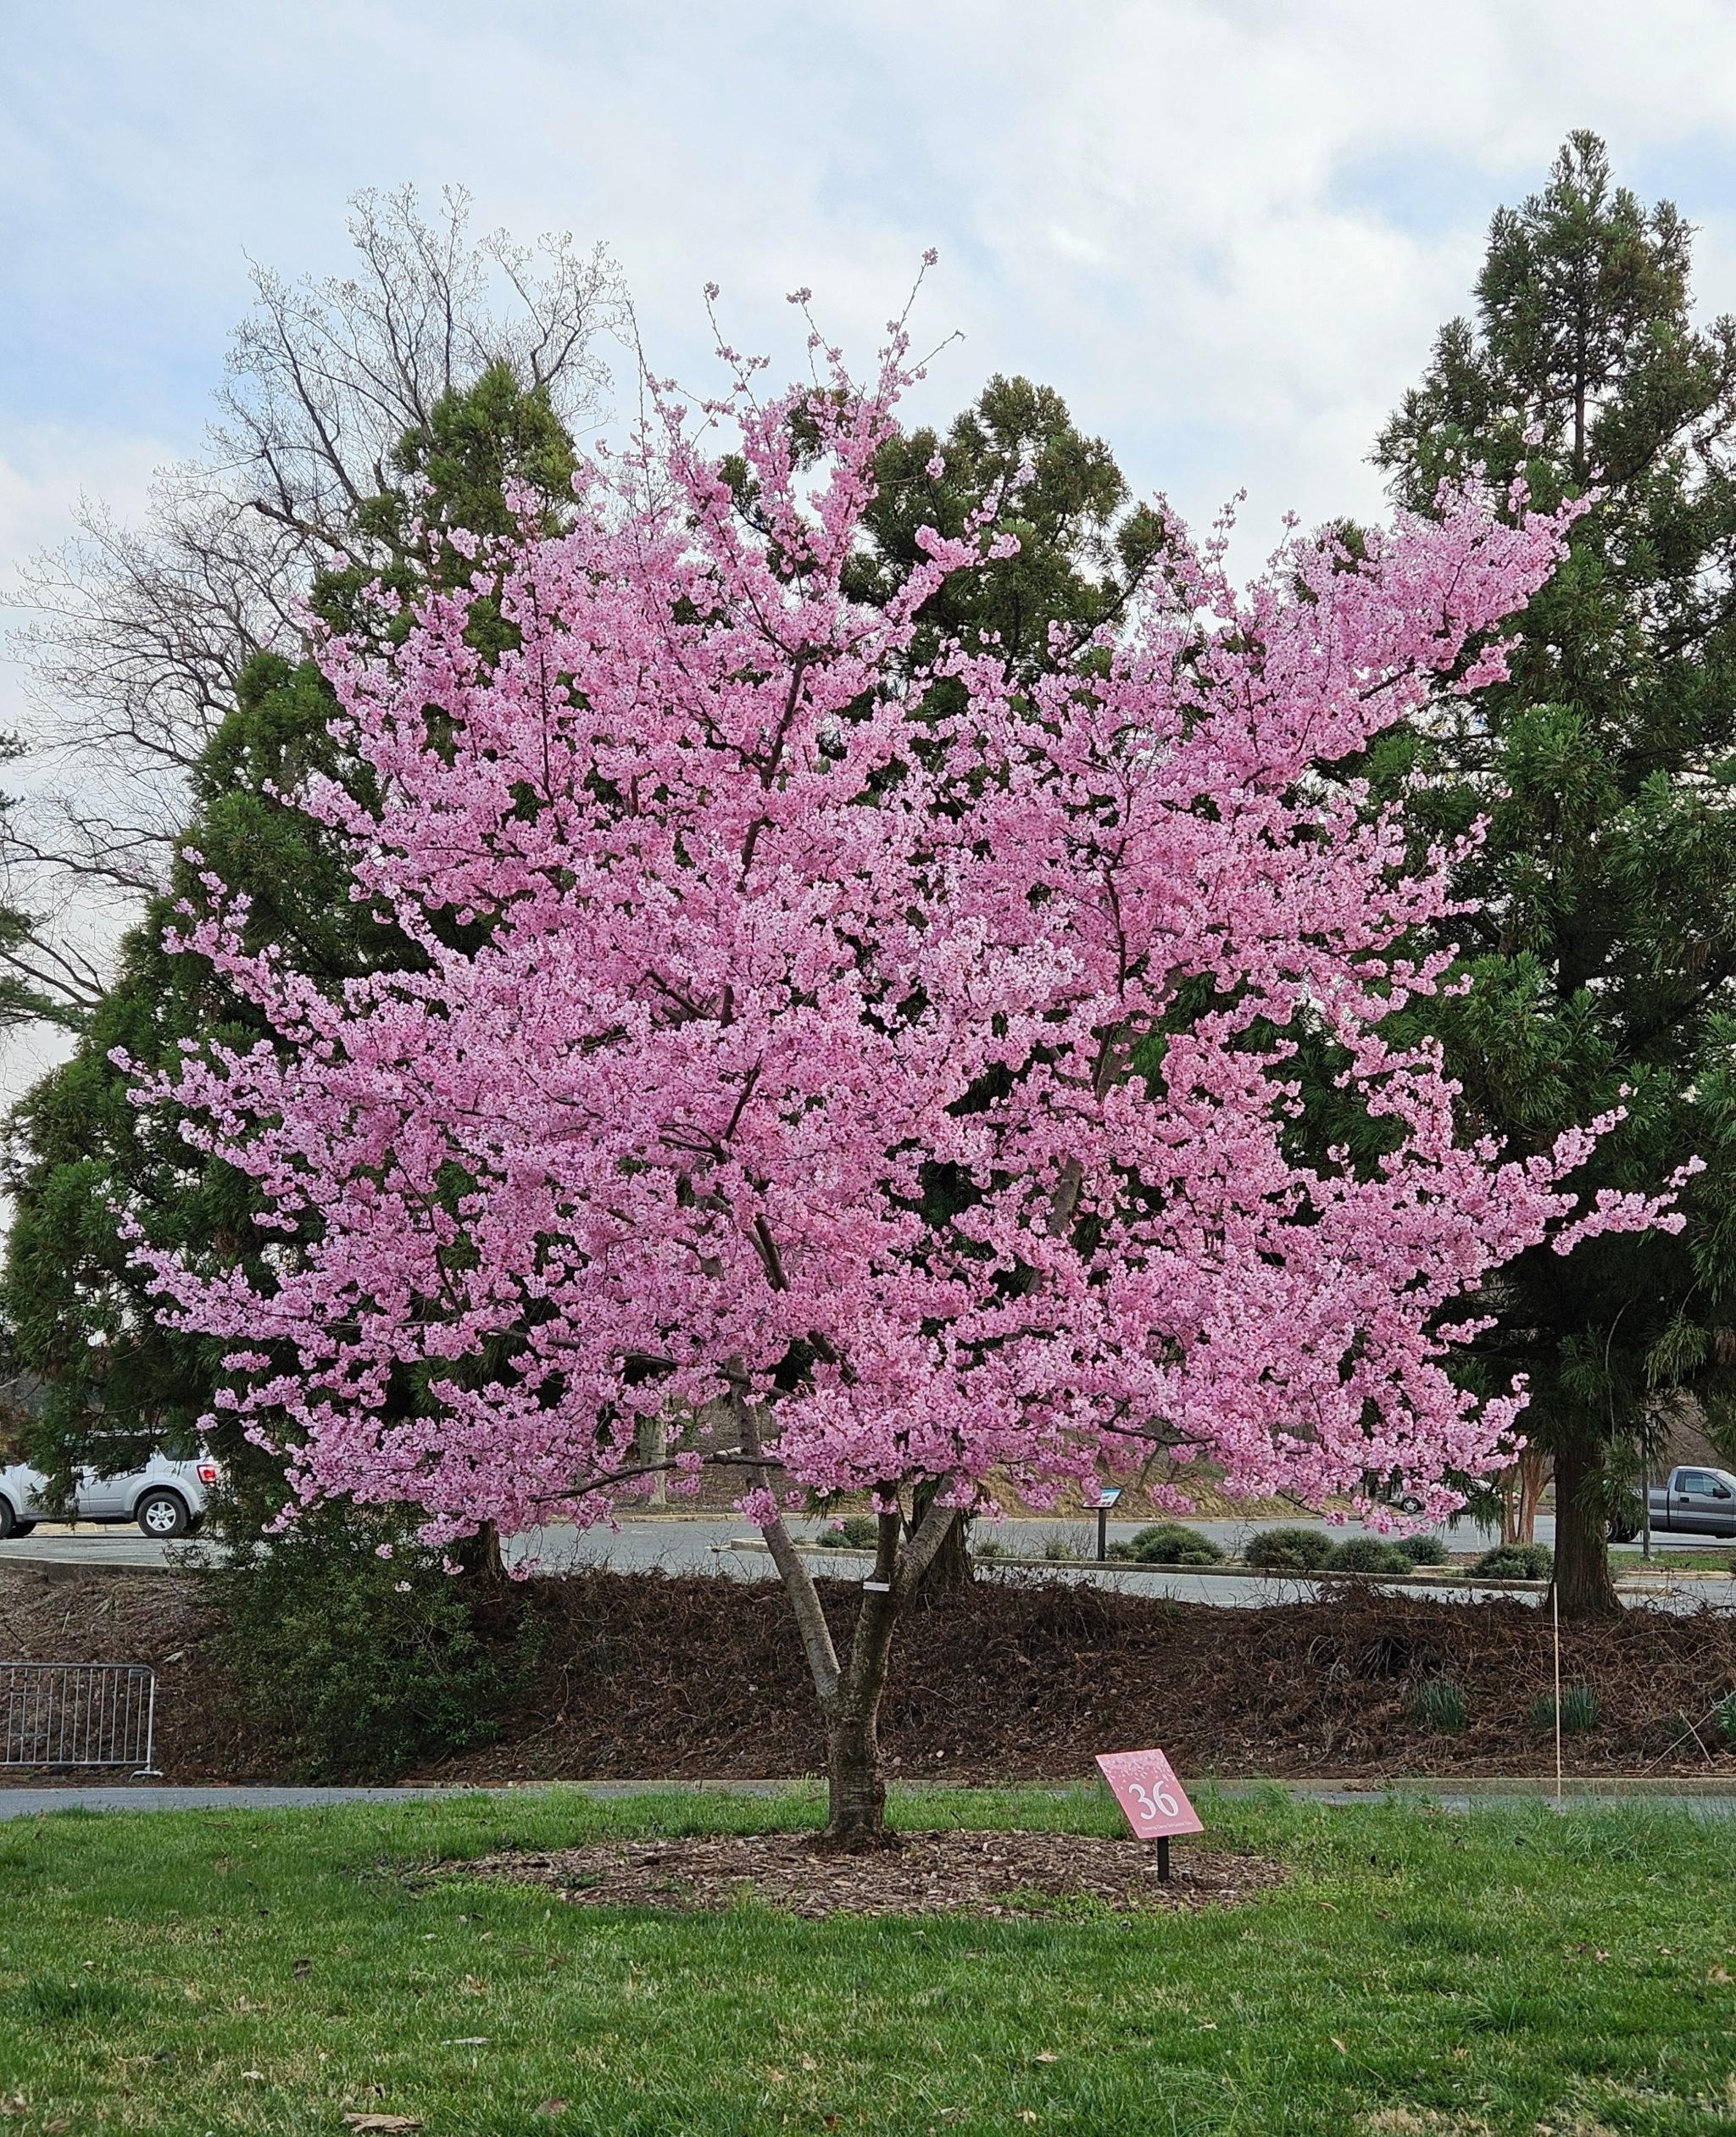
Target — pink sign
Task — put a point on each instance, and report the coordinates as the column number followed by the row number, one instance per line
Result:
column 1152, row 1799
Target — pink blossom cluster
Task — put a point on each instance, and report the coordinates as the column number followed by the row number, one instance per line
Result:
column 928, row 1077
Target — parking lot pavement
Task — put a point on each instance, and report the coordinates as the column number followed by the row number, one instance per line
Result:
column 709, row 1543
column 87, row 1544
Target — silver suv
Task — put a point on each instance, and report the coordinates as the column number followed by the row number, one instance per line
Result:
column 165, row 1498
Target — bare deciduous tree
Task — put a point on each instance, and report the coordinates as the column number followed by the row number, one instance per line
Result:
column 140, row 631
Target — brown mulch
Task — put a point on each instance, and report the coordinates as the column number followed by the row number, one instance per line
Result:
column 647, row 1677
column 974, row 1873
column 62, row 1614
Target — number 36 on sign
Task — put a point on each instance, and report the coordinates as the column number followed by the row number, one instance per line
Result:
column 1153, row 1801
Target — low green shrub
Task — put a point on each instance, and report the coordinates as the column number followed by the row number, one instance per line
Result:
column 354, row 1652
column 1515, row 1561
column 1172, row 1542
column 1423, row 1550
column 1438, row 1704
column 1724, row 1719
column 1061, row 1548
column 861, row 1532
column 1366, row 1555
column 988, row 1547
column 1289, row 1551
column 1579, row 1710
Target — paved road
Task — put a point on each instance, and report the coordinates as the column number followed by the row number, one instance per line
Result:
column 676, row 1543
column 706, row 1544
column 1464, row 1796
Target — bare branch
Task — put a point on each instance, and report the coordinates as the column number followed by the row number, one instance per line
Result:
column 139, row 633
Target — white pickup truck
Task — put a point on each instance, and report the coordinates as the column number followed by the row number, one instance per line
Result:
column 1696, row 1501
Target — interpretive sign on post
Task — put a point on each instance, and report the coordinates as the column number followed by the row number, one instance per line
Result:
column 1107, row 1494
column 1153, row 1800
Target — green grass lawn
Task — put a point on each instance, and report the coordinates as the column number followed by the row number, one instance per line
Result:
column 1710, row 1561
column 1507, row 1972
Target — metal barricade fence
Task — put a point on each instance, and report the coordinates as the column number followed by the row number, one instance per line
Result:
column 77, row 1714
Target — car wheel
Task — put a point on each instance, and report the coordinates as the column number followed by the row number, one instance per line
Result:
column 1622, row 1532
column 162, row 1514
column 8, row 1520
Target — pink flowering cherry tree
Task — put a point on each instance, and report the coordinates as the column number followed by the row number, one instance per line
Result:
column 910, row 1100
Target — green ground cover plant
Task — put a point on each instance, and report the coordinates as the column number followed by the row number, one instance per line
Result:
column 1440, row 1703
column 1579, row 1710
column 1420, row 1972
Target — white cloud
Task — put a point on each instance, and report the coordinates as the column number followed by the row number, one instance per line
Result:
column 1226, row 228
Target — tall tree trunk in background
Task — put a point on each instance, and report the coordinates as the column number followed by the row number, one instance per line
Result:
column 654, row 1447
column 1533, row 1469
column 1521, row 1489
column 1582, row 1582
column 478, row 1557
column 950, row 1568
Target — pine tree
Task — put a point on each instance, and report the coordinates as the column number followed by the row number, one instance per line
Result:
column 1601, row 936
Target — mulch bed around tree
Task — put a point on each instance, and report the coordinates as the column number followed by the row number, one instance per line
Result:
column 644, row 1676
column 975, row 1873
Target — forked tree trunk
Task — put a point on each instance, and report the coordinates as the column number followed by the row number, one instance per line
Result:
column 850, row 1692
column 1522, row 1488
column 1583, row 1587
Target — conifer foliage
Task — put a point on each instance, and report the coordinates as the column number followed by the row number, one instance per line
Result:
column 1601, row 924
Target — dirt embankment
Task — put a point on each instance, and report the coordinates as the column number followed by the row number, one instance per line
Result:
column 645, row 1677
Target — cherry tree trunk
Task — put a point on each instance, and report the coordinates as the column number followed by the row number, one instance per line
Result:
column 1583, row 1587
column 480, row 1558
column 855, row 1786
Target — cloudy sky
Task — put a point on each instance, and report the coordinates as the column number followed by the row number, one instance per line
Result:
column 1226, row 230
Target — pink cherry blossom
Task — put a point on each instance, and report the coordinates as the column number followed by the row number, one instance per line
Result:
column 761, row 952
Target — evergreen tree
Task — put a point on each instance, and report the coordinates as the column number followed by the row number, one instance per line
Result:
column 81, row 1155
column 1082, row 550
column 1601, row 936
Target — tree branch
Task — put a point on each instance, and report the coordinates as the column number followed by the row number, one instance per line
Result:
column 792, row 1568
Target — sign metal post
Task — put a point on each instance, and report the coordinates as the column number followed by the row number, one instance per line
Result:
column 1107, row 1494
